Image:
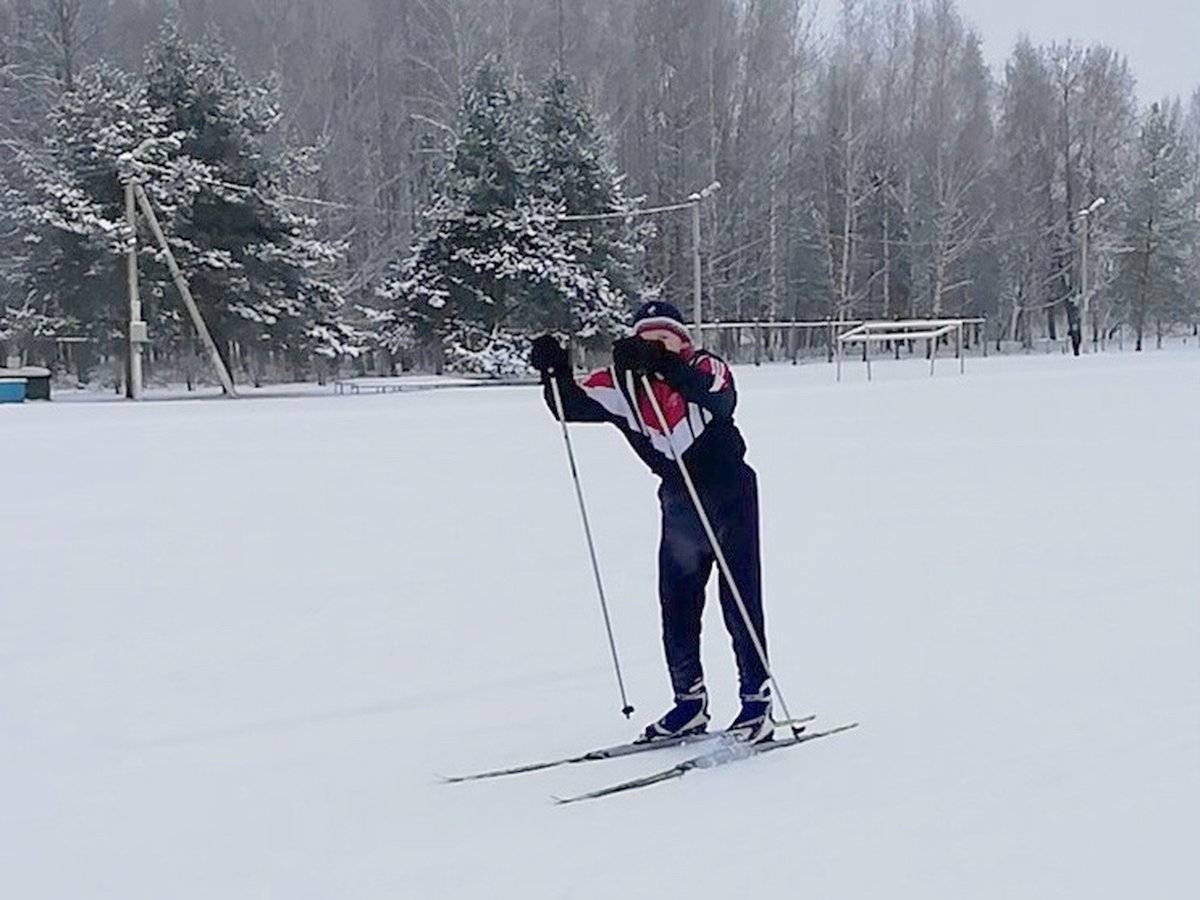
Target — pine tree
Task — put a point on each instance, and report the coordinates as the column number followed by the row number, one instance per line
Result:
column 257, row 269
column 493, row 265
column 572, row 170
column 1162, row 227
column 192, row 131
column 72, row 213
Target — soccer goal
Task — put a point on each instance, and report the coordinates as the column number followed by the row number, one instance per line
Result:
column 906, row 331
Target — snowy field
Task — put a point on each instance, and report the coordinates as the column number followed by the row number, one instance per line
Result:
column 238, row 640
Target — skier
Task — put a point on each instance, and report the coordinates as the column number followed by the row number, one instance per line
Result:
column 695, row 392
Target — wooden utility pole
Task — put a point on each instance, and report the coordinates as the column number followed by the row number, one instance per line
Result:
column 185, row 292
column 137, row 328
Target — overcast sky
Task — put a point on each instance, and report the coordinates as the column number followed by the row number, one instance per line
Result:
column 1161, row 38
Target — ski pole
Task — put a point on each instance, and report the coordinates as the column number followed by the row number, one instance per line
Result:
column 587, row 531
column 718, row 553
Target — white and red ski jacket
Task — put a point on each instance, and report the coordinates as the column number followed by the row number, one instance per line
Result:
column 697, row 397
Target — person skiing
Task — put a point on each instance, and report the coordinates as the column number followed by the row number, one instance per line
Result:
column 696, row 395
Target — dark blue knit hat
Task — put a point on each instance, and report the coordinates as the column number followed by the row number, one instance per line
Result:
column 657, row 309
column 657, row 314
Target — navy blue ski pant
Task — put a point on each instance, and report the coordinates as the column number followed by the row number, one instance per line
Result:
column 685, row 560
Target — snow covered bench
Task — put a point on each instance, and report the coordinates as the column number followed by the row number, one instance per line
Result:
column 36, row 381
column 12, row 390
column 402, row 383
column 367, row 386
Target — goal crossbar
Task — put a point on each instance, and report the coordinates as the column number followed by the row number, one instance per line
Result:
column 818, row 323
column 884, row 336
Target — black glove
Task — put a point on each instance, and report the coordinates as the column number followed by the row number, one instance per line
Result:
column 637, row 355
column 548, row 355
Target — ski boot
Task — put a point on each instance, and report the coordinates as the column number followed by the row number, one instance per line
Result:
column 754, row 724
column 688, row 716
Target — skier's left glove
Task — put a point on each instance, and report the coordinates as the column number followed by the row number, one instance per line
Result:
column 548, row 355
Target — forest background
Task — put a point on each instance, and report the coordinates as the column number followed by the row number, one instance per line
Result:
column 382, row 184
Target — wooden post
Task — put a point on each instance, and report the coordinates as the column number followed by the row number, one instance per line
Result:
column 137, row 328
column 185, row 292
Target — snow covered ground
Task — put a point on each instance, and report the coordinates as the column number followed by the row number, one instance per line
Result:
column 238, row 640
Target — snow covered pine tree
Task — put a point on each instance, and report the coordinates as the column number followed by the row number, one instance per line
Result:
column 494, row 263
column 258, row 270
column 695, row 392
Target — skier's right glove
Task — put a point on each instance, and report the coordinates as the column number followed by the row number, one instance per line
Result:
column 642, row 357
column 548, row 355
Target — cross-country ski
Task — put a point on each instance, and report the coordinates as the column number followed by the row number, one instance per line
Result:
column 727, row 750
column 616, row 751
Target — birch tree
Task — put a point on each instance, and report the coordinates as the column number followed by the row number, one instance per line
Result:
column 1162, row 229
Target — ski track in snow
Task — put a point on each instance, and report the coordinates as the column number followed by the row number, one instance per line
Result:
column 238, row 640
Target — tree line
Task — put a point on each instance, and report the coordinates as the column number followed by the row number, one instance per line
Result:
column 345, row 176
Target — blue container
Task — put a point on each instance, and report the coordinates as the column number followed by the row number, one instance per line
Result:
column 12, row 390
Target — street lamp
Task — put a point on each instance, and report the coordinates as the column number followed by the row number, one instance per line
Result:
column 695, row 200
column 1085, row 215
column 692, row 202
